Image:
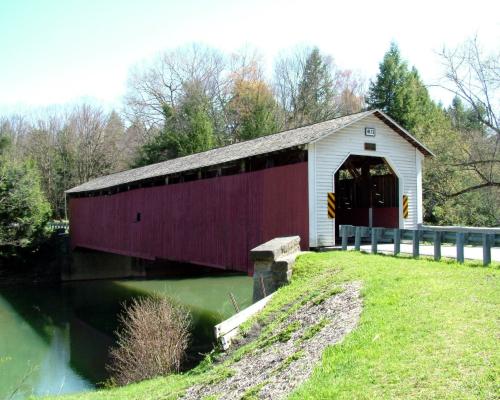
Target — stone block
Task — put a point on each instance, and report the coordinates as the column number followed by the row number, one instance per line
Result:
column 262, row 266
column 275, row 248
column 273, row 263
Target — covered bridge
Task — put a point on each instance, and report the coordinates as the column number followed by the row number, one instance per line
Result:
column 211, row 208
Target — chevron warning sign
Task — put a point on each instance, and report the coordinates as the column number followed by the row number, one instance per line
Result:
column 331, row 205
column 405, row 206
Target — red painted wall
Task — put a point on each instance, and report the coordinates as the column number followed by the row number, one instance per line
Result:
column 213, row 222
column 386, row 217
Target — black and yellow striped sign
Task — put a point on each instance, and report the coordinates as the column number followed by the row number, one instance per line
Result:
column 405, row 206
column 331, row 205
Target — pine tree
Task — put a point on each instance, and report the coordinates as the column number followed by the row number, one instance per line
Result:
column 387, row 92
column 464, row 119
column 24, row 210
column 316, row 94
column 400, row 92
column 4, row 143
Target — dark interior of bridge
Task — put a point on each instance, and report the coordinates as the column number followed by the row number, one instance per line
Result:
column 366, row 192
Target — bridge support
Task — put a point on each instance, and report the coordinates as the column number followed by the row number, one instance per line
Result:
column 90, row 264
column 273, row 262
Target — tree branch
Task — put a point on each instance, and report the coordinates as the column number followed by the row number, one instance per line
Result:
column 473, row 188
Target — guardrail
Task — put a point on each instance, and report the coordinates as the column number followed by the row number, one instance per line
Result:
column 228, row 329
column 459, row 236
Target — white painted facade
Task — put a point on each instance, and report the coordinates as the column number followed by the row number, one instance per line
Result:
column 326, row 155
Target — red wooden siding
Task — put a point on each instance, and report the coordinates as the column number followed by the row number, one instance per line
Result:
column 386, row 217
column 213, row 222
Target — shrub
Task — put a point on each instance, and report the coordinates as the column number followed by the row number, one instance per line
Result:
column 24, row 211
column 152, row 340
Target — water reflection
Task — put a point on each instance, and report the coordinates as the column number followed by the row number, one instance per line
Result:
column 55, row 339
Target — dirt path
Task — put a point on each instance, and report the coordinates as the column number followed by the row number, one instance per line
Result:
column 281, row 364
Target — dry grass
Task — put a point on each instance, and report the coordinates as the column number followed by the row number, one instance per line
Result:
column 152, row 340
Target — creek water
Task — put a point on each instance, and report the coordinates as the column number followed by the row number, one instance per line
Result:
column 55, row 339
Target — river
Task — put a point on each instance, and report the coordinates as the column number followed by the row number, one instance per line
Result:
column 55, row 339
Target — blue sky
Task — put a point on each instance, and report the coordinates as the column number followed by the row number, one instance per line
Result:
column 56, row 52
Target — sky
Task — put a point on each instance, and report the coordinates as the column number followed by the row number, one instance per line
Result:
column 54, row 52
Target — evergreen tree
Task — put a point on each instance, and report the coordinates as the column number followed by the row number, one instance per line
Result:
column 386, row 93
column 24, row 211
column 4, row 143
column 188, row 129
column 193, row 134
column 400, row 92
column 316, row 94
column 464, row 119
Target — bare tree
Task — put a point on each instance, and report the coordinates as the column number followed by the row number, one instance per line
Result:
column 16, row 128
column 40, row 143
column 345, row 89
column 288, row 73
column 69, row 146
column 96, row 142
column 475, row 78
column 350, row 92
column 175, row 74
column 163, row 82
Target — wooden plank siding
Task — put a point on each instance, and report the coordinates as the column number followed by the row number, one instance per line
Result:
column 213, row 222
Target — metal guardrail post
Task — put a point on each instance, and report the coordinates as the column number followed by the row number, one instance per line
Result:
column 437, row 245
column 460, row 247
column 397, row 241
column 486, row 249
column 374, row 240
column 344, row 233
column 357, row 238
column 460, row 236
column 416, row 243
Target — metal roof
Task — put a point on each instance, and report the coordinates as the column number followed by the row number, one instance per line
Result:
column 262, row 145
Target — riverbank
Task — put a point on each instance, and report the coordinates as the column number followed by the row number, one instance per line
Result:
column 427, row 330
column 41, row 264
column 55, row 338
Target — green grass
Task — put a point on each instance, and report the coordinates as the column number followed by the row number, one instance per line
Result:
column 311, row 331
column 427, row 330
column 325, row 295
column 283, row 336
column 290, row 359
column 253, row 392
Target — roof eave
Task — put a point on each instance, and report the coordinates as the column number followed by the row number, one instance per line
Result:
column 394, row 125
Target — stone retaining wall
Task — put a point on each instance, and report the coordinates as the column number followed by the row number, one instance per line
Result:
column 273, row 263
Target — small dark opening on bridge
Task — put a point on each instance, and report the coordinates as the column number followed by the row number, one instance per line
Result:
column 138, row 217
column 370, row 146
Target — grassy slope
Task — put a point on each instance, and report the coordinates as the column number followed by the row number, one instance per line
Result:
column 428, row 330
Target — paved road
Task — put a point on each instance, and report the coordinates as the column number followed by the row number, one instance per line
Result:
column 470, row 253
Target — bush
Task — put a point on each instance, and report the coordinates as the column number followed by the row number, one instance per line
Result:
column 151, row 341
column 24, row 211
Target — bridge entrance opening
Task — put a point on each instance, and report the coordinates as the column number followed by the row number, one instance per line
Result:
column 366, row 193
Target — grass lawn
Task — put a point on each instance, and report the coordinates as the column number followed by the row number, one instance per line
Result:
column 428, row 330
